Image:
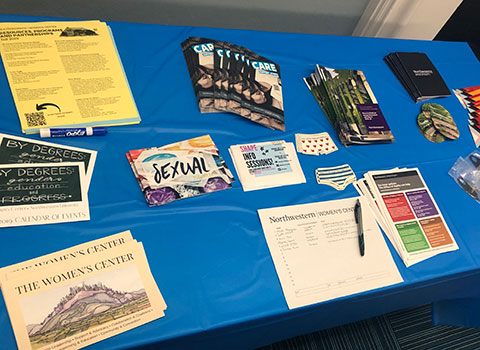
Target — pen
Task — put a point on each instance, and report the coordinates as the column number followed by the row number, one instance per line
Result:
column 69, row 132
column 359, row 222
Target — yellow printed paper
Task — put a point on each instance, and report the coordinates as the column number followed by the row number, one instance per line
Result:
column 65, row 74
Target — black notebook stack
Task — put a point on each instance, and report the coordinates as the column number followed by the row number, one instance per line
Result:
column 418, row 75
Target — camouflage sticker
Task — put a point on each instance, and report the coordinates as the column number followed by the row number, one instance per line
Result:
column 427, row 129
column 442, row 120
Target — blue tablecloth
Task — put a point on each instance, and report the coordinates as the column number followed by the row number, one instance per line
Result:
column 208, row 254
column 461, row 312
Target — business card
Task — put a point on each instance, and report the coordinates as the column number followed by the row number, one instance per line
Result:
column 35, row 194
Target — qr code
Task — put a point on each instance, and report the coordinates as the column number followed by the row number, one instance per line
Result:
column 35, row 119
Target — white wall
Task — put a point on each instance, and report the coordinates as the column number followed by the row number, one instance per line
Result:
column 405, row 19
column 336, row 17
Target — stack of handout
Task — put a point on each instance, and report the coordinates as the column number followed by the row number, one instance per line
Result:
column 180, row 170
column 43, row 182
column 418, row 75
column 231, row 78
column 81, row 295
column 407, row 213
column 66, row 74
column 351, row 107
column 266, row 164
column 469, row 97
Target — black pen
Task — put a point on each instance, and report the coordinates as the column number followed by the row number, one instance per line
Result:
column 359, row 222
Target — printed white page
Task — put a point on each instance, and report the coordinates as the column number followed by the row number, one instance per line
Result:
column 412, row 213
column 315, row 249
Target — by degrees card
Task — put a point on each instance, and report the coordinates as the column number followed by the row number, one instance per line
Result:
column 35, row 194
column 14, row 149
column 72, row 305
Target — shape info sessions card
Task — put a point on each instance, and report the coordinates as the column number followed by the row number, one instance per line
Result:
column 266, row 164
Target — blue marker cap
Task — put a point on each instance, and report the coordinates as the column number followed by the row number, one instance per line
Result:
column 99, row 131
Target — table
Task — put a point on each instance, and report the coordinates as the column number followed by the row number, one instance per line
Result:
column 208, row 254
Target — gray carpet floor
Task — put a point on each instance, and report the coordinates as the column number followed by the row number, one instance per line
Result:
column 408, row 329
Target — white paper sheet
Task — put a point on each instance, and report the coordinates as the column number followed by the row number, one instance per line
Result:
column 316, row 253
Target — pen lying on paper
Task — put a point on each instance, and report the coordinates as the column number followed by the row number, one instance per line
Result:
column 359, row 222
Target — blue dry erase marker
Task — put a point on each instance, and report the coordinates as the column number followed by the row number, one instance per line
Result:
column 71, row 132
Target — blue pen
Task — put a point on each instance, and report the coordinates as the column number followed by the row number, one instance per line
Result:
column 359, row 222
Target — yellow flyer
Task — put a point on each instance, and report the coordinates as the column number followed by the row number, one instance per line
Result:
column 65, row 74
column 81, row 302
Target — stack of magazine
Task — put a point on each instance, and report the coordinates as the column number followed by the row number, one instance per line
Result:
column 350, row 105
column 179, row 170
column 81, row 295
column 407, row 213
column 231, row 78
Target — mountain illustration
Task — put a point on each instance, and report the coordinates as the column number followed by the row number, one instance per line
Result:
column 84, row 304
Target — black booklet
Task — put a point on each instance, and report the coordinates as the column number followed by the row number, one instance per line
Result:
column 418, row 75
